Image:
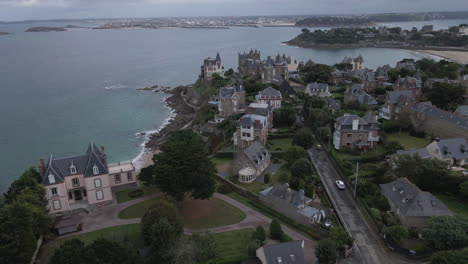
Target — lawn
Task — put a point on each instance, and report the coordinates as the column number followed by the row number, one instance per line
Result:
column 280, row 144
column 128, row 235
column 196, row 214
column 233, row 245
column 407, row 141
column 458, row 207
column 122, row 196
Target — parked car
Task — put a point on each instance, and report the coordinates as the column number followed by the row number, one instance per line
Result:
column 319, row 147
column 340, row 185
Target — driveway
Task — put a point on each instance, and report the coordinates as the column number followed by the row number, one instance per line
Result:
column 368, row 246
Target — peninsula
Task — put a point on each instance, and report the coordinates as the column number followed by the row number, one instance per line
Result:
column 4, row 33
column 46, row 29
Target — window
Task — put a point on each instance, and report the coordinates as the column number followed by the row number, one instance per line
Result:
column 72, row 169
column 75, row 182
column 279, row 260
column 349, row 135
column 51, row 179
column 95, row 169
column 129, row 176
column 117, row 178
column 54, row 191
column 56, row 204
column 70, row 196
column 99, row 195
column 97, row 183
column 84, row 193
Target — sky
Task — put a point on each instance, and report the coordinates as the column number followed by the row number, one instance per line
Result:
column 11, row 10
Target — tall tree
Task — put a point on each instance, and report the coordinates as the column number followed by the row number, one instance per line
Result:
column 449, row 232
column 275, row 230
column 446, row 96
column 294, row 153
column 164, row 235
column 303, row 137
column 72, row 251
column 161, row 209
column 326, row 251
column 183, row 167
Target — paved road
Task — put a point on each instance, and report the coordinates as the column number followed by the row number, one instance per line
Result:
column 368, row 247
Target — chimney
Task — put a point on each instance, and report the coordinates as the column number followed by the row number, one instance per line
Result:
column 437, row 139
column 41, row 167
column 104, row 156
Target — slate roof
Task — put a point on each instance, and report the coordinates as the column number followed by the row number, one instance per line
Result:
column 347, row 120
column 249, row 120
column 411, row 201
column 409, row 82
column 453, row 148
column 256, row 152
column 59, row 168
column 226, row 92
column 269, row 91
column 398, row 97
column 259, row 109
column 316, row 88
column 282, row 192
column 290, row 253
column 286, row 88
column 422, row 152
column 462, row 110
column 366, row 99
column 429, row 109
column 332, row 103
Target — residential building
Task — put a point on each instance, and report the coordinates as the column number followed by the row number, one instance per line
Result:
column 318, row 89
column 413, row 84
column 463, row 31
column 427, row 28
column 270, row 96
column 376, row 79
column 251, row 162
column 251, row 128
column 83, row 181
column 406, row 64
column 453, row 151
column 332, row 104
column 263, row 110
column 356, row 93
column 284, row 253
column 352, row 131
column 231, row 100
column 270, row 70
column 211, row 66
column 395, row 101
column 429, row 83
column 291, row 203
column 437, row 122
column 250, row 64
column 356, row 63
column 462, row 110
column 286, row 89
column 412, row 206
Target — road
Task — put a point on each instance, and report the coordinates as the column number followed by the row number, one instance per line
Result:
column 368, row 247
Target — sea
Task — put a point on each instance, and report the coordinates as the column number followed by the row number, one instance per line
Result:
column 61, row 90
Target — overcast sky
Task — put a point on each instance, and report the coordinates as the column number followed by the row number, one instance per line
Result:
column 50, row 9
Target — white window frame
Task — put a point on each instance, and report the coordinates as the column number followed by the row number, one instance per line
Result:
column 51, row 179
column 56, row 205
column 54, row 191
column 72, row 169
column 95, row 169
column 77, row 182
column 129, row 176
column 101, row 194
column 119, row 178
column 97, row 183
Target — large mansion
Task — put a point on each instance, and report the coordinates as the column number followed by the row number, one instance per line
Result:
column 211, row 66
column 83, row 181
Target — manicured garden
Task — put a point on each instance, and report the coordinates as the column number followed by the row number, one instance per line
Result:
column 135, row 193
column 407, row 141
column 280, row 144
column 196, row 214
column 233, row 245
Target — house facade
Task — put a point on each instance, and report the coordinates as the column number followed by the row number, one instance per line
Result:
column 262, row 110
column 211, row 66
column 353, row 131
column 251, row 128
column 273, row 69
column 318, row 89
column 413, row 84
column 270, row 96
column 357, row 93
column 356, row 63
column 251, row 162
column 83, row 181
column 412, row 206
column 395, row 101
column 231, row 100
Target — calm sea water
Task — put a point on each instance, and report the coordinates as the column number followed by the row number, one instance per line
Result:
column 59, row 90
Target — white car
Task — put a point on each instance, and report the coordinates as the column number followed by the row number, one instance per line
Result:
column 340, row 185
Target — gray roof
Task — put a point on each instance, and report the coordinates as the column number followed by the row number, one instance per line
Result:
column 269, row 91
column 411, row 201
column 409, row 82
column 422, row 152
column 256, row 152
column 286, row 88
column 290, row 253
column 226, row 92
column 332, row 103
column 283, row 192
column 366, row 99
column 453, row 148
column 462, row 110
column 249, row 120
column 429, row 109
column 347, row 120
column 59, row 168
column 396, row 97
column 316, row 88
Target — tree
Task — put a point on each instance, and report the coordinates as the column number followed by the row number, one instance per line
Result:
column 275, row 230
column 446, row 96
column 72, row 251
column 301, row 168
column 464, row 189
column 448, row 232
column 30, row 178
column 105, row 251
column 161, row 209
column 317, row 73
column 259, row 234
column 283, row 177
column 450, row 257
column 164, row 235
column 229, row 72
column 303, row 137
column 205, row 247
column 341, row 236
column 294, row 153
column 183, row 167
column 285, row 116
column 326, row 251
column 396, row 232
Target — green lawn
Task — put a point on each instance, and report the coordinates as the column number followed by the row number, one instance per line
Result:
column 220, row 161
column 407, row 141
column 196, row 214
column 458, row 207
column 280, row 144
column 122, row 196
column 128, row 235
column 233, row 245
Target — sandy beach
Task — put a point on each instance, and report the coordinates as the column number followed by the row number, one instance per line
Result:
column 456, row 56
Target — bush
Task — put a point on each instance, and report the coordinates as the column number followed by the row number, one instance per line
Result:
column 303, row 138
column 283, row 177
column 259, row 235
column 266, row 178
column 161, row 209
column 136, row 193
column 225, row 188
column 396, row 232
column 252, row 248
column 275, row 230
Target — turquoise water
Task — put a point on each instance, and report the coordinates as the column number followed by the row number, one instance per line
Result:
column 59, row 90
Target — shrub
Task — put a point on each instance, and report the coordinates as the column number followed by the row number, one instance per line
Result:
column 303, row 138
column 161, row 209
column 225, row 188
column 136, row 193
column 252, row 248
column 275, row 230
column 266, row 178
column 326, row 251
column 283, row 177
column 259, row 235
column 396, row 232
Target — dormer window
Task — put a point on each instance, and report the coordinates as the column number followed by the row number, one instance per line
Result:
column 72, row 169
column 51, row 179
column 95, row 169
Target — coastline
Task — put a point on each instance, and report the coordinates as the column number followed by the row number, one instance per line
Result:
column 456, row 56
column 180, row 117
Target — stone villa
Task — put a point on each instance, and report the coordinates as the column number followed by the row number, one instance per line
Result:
column 413, row 84
column 395, row 101
column 356, row 63
column 250, row 162
column 270, row 96
column 353, row 131
column 83, row 181
column 211, row 66
column 231, row 100
column 251, row 127
column 318, row 89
